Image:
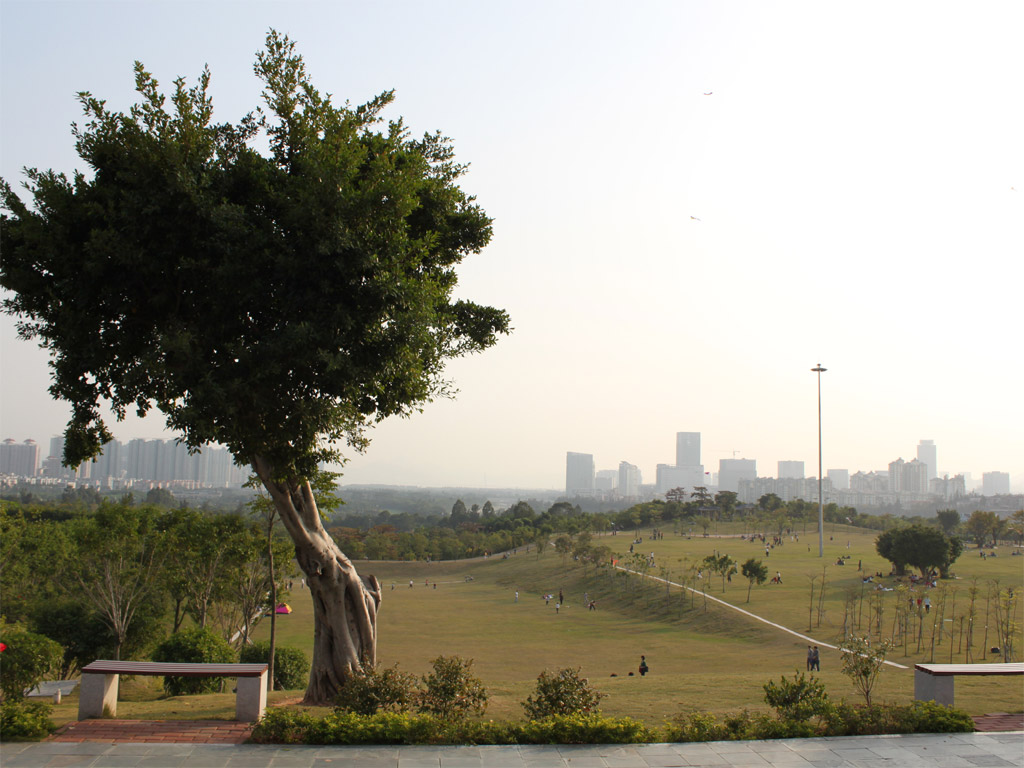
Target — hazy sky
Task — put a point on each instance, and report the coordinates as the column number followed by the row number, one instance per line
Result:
column 850, row 192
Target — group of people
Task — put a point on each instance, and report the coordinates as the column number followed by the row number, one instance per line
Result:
column 813, row 659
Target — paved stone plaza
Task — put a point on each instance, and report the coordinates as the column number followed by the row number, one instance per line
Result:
column 961, row 750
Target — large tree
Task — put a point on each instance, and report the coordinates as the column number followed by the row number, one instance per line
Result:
column 921, row 546
column 275, row 286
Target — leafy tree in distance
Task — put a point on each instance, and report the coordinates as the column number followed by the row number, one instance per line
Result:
column 983, row 526
column 277, row 304
column 920, row 546
column 949, row 520
column 754, row 571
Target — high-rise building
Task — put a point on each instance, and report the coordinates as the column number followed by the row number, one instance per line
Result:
column 579, row 474
column 606, row 480
column 840, row 479
column 21, row 459
column 679, row 477
column 791, row 470
column 731, row 471
column 687, row 449
column 995, row 483
column 629, row 480
column 908, row 476
column 926, row 455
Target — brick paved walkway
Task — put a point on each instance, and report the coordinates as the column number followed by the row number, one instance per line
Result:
column 999, row 721
column 155, row 731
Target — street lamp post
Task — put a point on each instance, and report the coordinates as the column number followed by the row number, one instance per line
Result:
column 821, row 506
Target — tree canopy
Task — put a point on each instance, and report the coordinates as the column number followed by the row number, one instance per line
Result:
column 919, row 546
column 275, row 304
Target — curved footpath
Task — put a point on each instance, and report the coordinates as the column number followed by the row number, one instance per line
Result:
column 805, row 638
column 954, row 750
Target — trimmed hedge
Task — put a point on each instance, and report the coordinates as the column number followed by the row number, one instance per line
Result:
column 282, row 726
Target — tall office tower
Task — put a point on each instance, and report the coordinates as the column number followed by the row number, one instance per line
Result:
column 21, row 459
column 579, row 474
column 995, row 483
column 629, row 480
column 606, row 480
column 840, row 479
column 731, row 471
column 687, row 449
column 791, row 470
column 926, row 455
column 679, row 477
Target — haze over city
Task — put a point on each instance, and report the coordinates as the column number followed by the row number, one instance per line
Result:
column 694, row 204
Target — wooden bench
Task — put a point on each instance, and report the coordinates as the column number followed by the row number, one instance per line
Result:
column 98, row 692
column 935, row 681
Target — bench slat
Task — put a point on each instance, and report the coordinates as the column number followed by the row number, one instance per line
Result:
column 178, row 669
column 1014, row 668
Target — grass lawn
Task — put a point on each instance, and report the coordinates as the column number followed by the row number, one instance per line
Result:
column 713, row 659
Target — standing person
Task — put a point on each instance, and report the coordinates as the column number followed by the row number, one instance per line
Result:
column 927, row 605
column 517, row 596
column 643, row 666
column 810, row 658
column 561, row 597
column 816, row 660
column 557, row 606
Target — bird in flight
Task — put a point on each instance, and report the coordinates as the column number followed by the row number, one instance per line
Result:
column 709, row 93
column 695, row 218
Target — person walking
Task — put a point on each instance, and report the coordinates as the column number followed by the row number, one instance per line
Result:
column 816, row 660
column 517, row 596
column 810, row 658
column 643, row 666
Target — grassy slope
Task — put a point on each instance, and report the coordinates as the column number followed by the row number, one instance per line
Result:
column 716, row 660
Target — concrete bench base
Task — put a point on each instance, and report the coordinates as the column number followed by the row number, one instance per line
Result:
column 98, row 692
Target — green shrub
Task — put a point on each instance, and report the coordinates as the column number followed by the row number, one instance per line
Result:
column 798, row 699
column 28, row 659
column 291, row 665
column 917, row 717
column 376, row 689
column 561, row 693
column 79, row 629
column 930, row 717
column 696, row 726
column 22, row 720
column 197, row 645
column 585, row 728
column 451, row 691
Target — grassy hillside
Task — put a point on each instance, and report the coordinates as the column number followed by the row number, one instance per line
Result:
column 714, row 659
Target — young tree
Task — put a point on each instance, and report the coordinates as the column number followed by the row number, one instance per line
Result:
column 862, row 662
column 291, row 299
column 754, row 570
column 120, row 554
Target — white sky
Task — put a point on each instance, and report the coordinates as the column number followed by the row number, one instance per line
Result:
column 853, row 172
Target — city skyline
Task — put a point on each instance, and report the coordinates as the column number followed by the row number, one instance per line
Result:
column 667, row 257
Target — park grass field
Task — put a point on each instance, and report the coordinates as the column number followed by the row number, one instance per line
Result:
column 715, row 660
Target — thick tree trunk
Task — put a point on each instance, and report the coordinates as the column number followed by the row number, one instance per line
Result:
column 344, row 603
